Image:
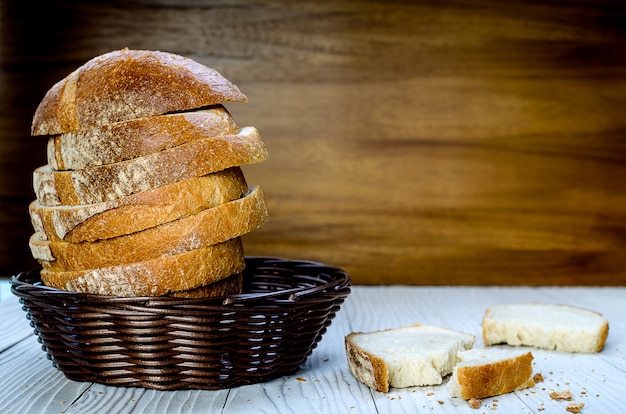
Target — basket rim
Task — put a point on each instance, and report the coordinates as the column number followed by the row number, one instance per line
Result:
column 340, row 279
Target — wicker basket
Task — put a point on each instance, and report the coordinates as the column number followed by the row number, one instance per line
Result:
column 169, row 343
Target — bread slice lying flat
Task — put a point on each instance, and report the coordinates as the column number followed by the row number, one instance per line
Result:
column 107, row 182
column 404, row 357
column 211, row 226
column 121, row 141
column 545, row 326
column 156, row 277
column 129, row 84
column 138, row 211
column 484, row 373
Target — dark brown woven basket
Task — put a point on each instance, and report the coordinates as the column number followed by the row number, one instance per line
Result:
column 169, row 343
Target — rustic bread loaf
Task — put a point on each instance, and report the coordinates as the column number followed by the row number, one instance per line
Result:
column 129, row 84
column 121, row 141
column 155, row 277
column 107, row 182
column 143, row 194
column 404, row 357
column 211, row 226
column 546, row 326
column 138, row 211
column 482, row 373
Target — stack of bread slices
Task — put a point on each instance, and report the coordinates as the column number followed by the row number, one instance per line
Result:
column 143, row 194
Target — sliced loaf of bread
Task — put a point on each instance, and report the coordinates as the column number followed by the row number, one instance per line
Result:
column 482, row 373
column 404, row 357
column 142, row 194
column 155, row 277
column 107, row 182
column 545, row 326
column 211, row 226
column 136, row 212
column 129, row 84
column 121, row 141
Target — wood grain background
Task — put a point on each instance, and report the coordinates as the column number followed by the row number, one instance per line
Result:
column 423, row 142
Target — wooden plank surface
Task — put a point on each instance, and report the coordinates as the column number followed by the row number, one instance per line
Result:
column 29, row 383
column 455, row 142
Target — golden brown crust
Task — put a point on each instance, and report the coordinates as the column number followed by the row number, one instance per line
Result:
column 129, row 84
column 604, row 333
column 138, row 211
column 208, row 227
column 368, row 368
column 495, row 378
column 232, row 285
column 121, row 141
column 108, row 182
column 155, row 277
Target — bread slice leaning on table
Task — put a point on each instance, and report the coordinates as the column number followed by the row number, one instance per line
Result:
column 545, row 326
column 481, row 373
column 143, row 194
column 211, row 226
column 404, row 357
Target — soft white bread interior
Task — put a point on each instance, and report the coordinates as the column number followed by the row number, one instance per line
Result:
column 546, row 326
column 487, row 372
column 404, row 357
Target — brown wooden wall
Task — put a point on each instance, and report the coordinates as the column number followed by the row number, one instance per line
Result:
column 422, row 142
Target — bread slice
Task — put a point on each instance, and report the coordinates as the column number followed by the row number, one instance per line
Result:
column 232, row 285
column 208, row 227
column 404, row 357
column 129, row 84
column 482, row 373
column 107, row 182
column 155, row 277
column 138, row 211
column 546, row 326
column 121, row 141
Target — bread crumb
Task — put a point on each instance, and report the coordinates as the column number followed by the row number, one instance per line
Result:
column 538, row 377
column 300, row 379
column 561, row 396
column 474, row 403
column 574, row 407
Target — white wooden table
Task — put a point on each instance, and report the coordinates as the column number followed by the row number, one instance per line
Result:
column 29, row 383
